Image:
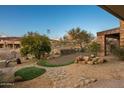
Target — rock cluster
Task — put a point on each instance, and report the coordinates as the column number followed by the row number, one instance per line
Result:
column 89, row 60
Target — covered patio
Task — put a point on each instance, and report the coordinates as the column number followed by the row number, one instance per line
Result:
column 116, row 33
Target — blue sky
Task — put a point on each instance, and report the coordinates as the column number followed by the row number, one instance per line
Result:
column 18, row 20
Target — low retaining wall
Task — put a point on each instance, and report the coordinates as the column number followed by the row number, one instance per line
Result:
column 67, row 51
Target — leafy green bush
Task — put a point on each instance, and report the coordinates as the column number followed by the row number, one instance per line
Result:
column 29, row 73
column 94, row 48
column 24, row 51
column 47, row 64
column 35, row 44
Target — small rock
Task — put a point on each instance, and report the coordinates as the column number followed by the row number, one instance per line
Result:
column 92, row 56
column 18, row 78
column 95, row 62
column 87, row 81
column 90, row 62
column 93, row 80
column 79, row 58
column 101, row 60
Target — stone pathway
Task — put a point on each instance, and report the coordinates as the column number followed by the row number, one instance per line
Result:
column 62, row 78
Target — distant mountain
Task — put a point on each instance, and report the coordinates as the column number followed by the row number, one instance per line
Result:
column 3, row 35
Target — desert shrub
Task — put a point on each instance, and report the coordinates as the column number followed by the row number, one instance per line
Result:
column 24, row 51
column 80, row 37
column 94, row 48
column 118, row 51
column 35, row 44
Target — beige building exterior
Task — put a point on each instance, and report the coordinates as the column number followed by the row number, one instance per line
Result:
column 10, row 42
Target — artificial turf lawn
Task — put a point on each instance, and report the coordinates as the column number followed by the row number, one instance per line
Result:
column 29, row 73
column 47, row 64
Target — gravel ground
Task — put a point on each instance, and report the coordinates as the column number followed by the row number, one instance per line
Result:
column 107, row 84
column 64, row 59
column 109, row 74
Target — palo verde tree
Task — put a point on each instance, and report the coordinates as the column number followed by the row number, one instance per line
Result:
column 35, row 44
column 81, row 37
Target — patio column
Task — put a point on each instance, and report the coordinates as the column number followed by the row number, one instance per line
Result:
column 121, row 33
column 121, row 24
column 101, row 41
column 121, row 38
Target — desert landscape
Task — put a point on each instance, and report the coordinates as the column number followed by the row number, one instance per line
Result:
column 76, row 58
column 109, row 74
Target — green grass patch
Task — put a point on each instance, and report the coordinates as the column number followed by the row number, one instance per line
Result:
column 47, row 64
column 29, row 73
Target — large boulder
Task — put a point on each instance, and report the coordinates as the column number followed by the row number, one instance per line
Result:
column 78, row 59
column 83, row 62
column 101, row 60
column 86, row 58
column 90, row 62
column 95, row 59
